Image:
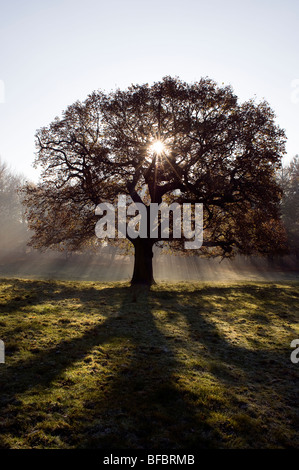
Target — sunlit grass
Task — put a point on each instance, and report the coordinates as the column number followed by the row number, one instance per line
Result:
column 188, row 364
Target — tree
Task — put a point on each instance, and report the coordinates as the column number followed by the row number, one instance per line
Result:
column 174, row 141
column 289, row 179
column 13, row 227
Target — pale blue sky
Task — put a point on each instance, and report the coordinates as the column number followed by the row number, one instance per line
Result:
column 55, row 52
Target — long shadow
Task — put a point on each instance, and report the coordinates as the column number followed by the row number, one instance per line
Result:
column 258, row 367
column 219, row 347
column 35, row 292
column 39, row 370
column 146, row 407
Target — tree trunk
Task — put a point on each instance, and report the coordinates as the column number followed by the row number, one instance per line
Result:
column 143, row 262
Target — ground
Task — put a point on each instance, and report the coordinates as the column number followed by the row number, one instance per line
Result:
column 97, row 365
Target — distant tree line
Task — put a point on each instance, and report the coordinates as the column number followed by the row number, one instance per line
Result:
column 14, row 232
column 289, row 181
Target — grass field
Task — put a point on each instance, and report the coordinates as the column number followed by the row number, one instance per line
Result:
column 96, row 365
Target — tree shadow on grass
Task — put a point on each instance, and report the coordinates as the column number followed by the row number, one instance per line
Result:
column 26, row 293
column 252, row 361
column 144, row 406
column 143, row 401
column 140, row 405
column 264, row 373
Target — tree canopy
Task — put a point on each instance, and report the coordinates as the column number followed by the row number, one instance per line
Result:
column 214, row 150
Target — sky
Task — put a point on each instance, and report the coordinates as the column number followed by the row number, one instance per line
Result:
column 55, row 52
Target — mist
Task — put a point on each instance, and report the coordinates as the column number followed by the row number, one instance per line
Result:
column 111, row 265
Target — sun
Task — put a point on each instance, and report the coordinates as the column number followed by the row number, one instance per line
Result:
column 158, row 147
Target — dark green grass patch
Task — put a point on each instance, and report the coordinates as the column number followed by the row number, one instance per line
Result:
column 183, row 365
